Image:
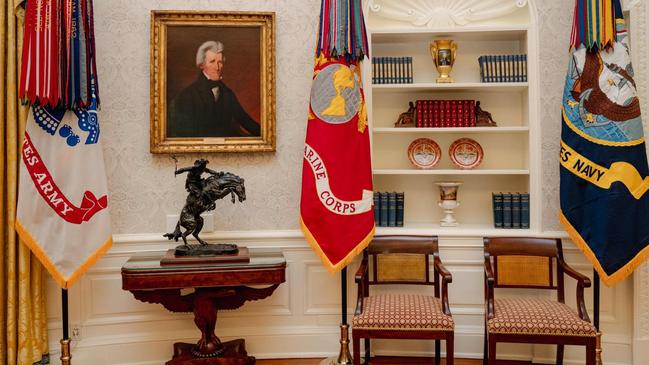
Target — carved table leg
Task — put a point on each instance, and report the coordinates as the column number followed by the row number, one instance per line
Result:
column 205, row 302
column 205, row 318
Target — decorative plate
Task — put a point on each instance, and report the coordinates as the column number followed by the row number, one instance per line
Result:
column 424, row 153
column 466, row 153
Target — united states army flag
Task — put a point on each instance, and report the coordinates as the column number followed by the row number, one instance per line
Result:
column 604, row 173
column 62, row 210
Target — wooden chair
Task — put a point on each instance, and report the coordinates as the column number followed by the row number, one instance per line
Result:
column 528, row 263
column 402, row 260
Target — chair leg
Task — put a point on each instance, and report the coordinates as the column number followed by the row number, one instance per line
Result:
column 438, row 348
column 367, row 351
column 559, row 354
column 492, row 350
column 449, row 349
column 590, row 353
column 357, row 350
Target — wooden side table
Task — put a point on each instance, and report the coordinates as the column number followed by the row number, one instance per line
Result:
column 216, row 286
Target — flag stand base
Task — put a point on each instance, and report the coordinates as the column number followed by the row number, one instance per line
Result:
column 598, row 349
column 65, row 352
column 344, row 357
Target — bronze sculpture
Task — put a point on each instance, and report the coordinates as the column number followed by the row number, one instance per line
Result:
column 203, row 193
column 483, row 117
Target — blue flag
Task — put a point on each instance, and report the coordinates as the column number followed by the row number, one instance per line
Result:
column 604, row 183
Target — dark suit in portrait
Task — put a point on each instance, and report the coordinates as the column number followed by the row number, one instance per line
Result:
column 208, row 108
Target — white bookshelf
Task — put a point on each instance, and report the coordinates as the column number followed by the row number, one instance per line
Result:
column 511, row 150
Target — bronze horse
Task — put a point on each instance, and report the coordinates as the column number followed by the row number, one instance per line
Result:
column 215, row 187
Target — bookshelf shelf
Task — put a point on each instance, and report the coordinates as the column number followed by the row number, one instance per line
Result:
column 462, row 230
column 511, row 151
column 459, row 86
column 462, row 130
column 451, row 172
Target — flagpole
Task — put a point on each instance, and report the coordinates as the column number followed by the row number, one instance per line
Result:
column 598, row 347
column 344, row 356
column 65, row 341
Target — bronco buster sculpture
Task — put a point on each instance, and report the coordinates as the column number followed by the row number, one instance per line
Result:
column 203, row 193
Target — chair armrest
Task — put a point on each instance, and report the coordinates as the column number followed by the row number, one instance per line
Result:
column 361, row 272
column 362, row 284
column 489, row 287
column 582, row 282
column 446, row 279
column 575, row 274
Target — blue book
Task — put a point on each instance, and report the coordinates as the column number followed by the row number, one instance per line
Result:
column 525, row 210
column 410, row 76
column 377, row 208
column 400, row 206
column 516, row 210
column 490, row 69
column 497, row 201
column 517, row 68
column 383, row 204
column 510, row 68
column 507, row 210
column 524, row 68
column 501, row 70
column 373, row 70
column 392, row 209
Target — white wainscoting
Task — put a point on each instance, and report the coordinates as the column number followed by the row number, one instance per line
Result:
column 301, row 318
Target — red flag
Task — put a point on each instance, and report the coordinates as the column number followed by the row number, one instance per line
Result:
column 336, row 213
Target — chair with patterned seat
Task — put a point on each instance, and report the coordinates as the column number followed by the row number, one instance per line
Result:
column 403, row 260
column 528, row 263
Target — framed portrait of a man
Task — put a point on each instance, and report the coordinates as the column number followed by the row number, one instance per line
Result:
column 212, row 81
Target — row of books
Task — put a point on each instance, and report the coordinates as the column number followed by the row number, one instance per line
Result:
column 388, row 209
column 444, row 113
column 503, row 68
column 511, row 210
column 392, row 70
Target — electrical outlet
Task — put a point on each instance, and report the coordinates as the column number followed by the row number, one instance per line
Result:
column 208, row 222
column 75, row 332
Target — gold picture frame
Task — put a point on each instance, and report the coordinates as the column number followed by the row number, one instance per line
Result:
column 212, row 79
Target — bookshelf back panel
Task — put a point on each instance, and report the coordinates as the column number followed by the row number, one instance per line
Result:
column 501, row 151
column 466, row 67
column 508, row 109
column 422, row 195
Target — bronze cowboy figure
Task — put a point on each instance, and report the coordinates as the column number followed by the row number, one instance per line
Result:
column 203, row 193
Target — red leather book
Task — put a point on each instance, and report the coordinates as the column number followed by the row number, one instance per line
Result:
column 435, row 119
column 448, row 113
column 460, row 113
column 465, row 113
column 419, row 111
column 472, row 113
column 429, row 109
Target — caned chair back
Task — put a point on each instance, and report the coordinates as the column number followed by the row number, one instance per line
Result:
column 401, row 260
column 525, row 262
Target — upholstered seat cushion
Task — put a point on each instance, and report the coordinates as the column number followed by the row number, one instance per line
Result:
column 537, row 317
column 404, row 312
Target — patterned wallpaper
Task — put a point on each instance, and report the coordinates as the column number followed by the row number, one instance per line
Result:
column 142, row 186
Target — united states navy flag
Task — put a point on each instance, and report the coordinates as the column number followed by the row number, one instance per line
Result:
column 604, row 183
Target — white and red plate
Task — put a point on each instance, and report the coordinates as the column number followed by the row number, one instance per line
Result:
column 424, row 153
column 466, row 153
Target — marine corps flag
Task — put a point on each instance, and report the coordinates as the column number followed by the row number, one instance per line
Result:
column 336, row 213
column 62, row 210
column 604, row 173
